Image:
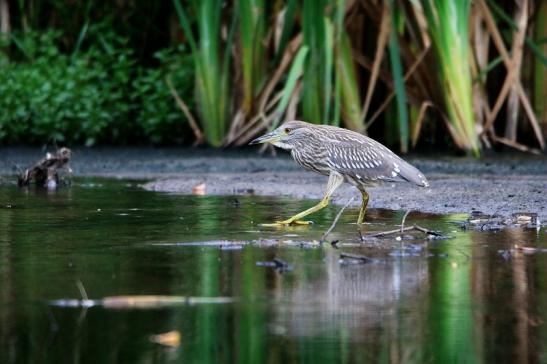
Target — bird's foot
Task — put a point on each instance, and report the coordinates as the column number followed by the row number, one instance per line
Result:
column 288, row 223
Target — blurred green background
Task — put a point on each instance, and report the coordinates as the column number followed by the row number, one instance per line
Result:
column 428, row 74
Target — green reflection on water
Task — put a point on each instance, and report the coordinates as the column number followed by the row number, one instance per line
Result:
column 452, row 317
column 457, row 301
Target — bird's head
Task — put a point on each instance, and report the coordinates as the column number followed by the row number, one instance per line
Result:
column 287, row 136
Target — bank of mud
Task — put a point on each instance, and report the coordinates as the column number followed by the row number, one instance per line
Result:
column 501, row 185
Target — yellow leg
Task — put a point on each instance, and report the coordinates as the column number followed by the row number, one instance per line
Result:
column 364, row 204
column 335, row 180
column 295, row 220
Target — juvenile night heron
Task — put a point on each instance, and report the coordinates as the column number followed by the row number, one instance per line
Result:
column 344, row 156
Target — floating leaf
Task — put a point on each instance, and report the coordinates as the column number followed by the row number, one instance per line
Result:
column 170, row 338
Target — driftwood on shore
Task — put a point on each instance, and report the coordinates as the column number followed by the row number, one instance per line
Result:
column 44, row 173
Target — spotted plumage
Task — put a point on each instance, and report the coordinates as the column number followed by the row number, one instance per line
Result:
column 343, row 155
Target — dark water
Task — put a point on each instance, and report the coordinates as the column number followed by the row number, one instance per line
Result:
column 455, row 300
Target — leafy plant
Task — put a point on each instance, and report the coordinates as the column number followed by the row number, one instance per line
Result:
column 156, row 112
column 52, row 98
column 96, row 96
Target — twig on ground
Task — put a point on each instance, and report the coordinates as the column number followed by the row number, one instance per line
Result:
column 322, row 240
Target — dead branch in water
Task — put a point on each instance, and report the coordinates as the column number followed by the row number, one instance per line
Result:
column 408, row 228
column 402, row 229
column 45, row 172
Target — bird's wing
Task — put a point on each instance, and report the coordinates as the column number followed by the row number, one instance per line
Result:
column 368, row 161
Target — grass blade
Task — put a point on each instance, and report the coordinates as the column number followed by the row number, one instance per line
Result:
column 329, row 58
column 398, row 81
column 251, row 25
column 211, row 66
column 448, row 23
column 81, row 37
column 288, row 24
column 294, row 74
column 540, row 71
column 315, row 84
column 351, row 99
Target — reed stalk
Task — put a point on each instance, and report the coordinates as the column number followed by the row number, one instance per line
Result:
column 448, row 23
column 398, row 79
column 251, row 34
column 296, row 58
column 540, row 69
column 317, row 78
column 211, row 60
column 349, row 90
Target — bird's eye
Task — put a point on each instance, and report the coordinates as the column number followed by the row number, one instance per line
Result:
column 288, row 130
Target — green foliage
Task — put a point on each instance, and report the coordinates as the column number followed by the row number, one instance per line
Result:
column 349, row 89
column 294, row 73
column 50, row 97
column 318, row 81
column 398, row 78
column 448, row 24
column 249, row 64
column 157, row 114
column 95, row 96
column 211, row 61
column 330, row 88
column 252, row 19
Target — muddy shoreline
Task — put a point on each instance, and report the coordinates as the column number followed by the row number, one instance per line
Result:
column 501, row 185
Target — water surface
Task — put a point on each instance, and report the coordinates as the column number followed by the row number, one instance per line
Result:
column 453, row 300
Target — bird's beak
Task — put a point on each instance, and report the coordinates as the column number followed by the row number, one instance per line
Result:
column 267, row 138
